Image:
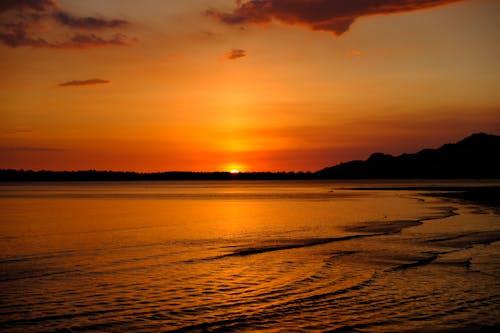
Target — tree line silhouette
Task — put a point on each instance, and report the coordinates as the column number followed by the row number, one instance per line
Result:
column 475, row 157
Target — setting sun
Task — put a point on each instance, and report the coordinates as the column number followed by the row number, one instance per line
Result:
column 272, row 105
column 234, row 168
column 224, row 165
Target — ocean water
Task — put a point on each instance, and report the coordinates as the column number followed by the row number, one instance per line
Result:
column 245, row 256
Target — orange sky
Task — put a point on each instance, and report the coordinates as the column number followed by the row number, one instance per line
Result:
column 205, row 85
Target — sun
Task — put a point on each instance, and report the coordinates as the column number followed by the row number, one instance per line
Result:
column 234, row 168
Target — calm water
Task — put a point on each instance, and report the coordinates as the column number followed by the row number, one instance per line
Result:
column 243, row 256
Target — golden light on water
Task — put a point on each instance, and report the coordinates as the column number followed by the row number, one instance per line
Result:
column 269, row 255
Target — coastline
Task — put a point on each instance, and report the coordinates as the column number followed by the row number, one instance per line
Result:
column 488, row 196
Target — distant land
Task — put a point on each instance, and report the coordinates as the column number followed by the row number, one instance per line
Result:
column 475, row 157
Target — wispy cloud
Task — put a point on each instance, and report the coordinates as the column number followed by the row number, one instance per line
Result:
column 21, row 21
column 236, row 54
column 16, row 35
column 334, row 16
column 87, row 22
column 78, row 83
column 85, row 41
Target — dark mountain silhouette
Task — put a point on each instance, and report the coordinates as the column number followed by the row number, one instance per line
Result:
column 477, row 156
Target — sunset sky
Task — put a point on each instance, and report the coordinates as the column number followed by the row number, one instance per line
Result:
column 206, row 85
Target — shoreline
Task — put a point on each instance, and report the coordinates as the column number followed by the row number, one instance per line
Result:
column 482, row 195
column 14, row 176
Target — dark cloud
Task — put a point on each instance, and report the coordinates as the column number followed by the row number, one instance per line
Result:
column 236, row 54
column 16, row 35
column 19, row 36
column 82, row 41
column 36, row 5
column 78, row 83
column 86, row 22
column 334, row 16
column 21, row 21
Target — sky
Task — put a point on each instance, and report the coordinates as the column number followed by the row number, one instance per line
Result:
column 262, row 85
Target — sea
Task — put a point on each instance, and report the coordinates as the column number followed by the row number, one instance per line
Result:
column 247, row 256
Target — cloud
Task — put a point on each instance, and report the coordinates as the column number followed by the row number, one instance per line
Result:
column 334, row 16
column 16, row 35
column 22, row 5
column 86, row 22
column 89, row 82
column 82, row 41
column 32, row 23
column 236, row 54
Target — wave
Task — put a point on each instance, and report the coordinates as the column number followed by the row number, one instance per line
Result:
column 295, row 244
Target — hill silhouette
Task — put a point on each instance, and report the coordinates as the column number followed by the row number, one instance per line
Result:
column 477, row 156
